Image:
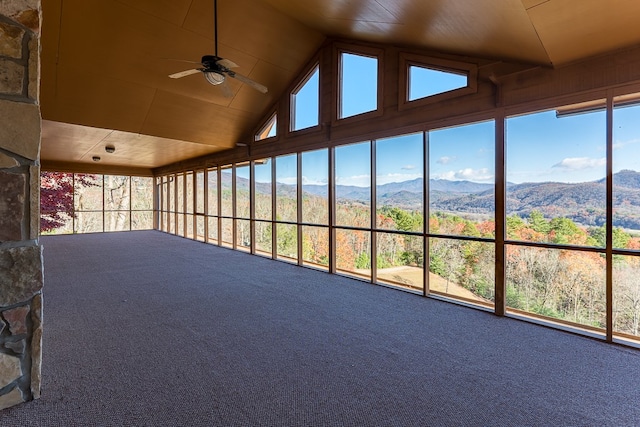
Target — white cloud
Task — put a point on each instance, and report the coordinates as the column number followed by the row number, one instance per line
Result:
column 408, row 167
column 621, row 144
column 579, row 163
column 310, row 181
column 445, row 160
column 355, row 180
column 289, row 180
column 467, row 174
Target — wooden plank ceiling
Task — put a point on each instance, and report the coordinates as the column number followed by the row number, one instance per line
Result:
column 105, row 62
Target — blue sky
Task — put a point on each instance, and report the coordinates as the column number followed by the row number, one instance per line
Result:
column 542, row 147
column 539, row 147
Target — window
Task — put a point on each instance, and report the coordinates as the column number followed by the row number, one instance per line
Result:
column 463, row 269
column 399, row 207
column 90, row 203
column 358, row 84
column 461, row 203
column 243, row 197
column 116, row 203
column 305, row 103
column 315, row 187
column 315, row 208
column 171, row 200
column 626, row 177
column 461, row 181
column 212, row 206
column 287, row 188
column 269, row 129
column 287, row 207
column 399, row 183
column 287, row 245
column 556, row 165
column 353, row 185
column 243, row 207
column 141, row 203
column 424, row 81
column 353, row 253
column 199, row 206
column 226, row 206
column 189, row 199
column 353, row 209
column 263, row 207
column 263, row 189
column 555, row 170
column 626, row 215
column 427, row 80
column 180, row 204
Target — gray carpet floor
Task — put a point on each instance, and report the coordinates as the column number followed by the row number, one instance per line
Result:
column 149, row 329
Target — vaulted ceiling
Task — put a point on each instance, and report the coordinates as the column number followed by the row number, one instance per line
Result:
column 105, row 62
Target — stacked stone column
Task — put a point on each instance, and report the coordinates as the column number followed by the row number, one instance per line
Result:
column 21, row 272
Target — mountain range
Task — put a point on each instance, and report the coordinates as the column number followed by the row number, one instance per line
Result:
column 583, row 202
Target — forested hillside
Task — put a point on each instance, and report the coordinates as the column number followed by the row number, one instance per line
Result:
column 584, row 203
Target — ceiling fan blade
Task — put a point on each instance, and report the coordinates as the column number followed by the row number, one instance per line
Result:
column 246, row 80
column 226, row 89
column 184, row 73
column 227, row 63
column 181, row 60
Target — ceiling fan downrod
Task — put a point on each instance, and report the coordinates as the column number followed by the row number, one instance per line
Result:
column 215, row 27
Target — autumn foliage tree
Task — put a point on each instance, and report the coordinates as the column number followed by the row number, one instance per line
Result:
column 56, row 198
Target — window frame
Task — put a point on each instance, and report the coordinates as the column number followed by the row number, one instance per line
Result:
column 260, row 135
column 299, row 84
column 338, row 50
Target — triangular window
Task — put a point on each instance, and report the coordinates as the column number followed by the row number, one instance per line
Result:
column 268, row 130
column 305, row 102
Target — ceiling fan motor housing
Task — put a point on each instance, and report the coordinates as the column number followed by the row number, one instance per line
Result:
column 209, row 61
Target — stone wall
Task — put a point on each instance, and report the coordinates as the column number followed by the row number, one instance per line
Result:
column 21, row 274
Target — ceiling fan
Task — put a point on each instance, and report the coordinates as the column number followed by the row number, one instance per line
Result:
column 216, row 69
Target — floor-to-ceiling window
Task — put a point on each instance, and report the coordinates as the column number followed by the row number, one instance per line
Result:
column 212, row 213
column 352, row 225
column 399, row 216
column 286, row 214
column 626, row 217
column 556, row 203
column 243, row 207
column 263, row 205
column 461, row 222
column 89, row 203
column 315, row 208
column 199, row 208
column 226, row 206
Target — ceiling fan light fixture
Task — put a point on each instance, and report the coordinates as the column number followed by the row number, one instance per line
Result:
column 213, row 77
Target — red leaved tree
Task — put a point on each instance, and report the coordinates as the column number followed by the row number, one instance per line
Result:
column 56, row 197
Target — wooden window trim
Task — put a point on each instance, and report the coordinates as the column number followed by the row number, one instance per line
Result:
column 372, row 52
column 315, row 65
column 258, row 134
